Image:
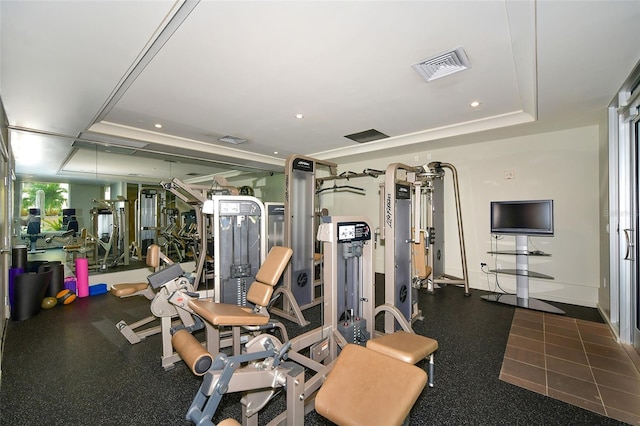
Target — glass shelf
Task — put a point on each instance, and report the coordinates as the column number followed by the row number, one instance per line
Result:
column 522, row 272
column 520, row 253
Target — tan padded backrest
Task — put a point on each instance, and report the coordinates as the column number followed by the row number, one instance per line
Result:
column 274, row 265
column 153, row 256
column 259, row 293
column 418, row 251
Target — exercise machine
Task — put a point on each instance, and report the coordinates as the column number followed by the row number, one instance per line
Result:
column 136, row 332
column 300, row 228
column 148, row 221
column 34, row 230
column 412, row 225
column 433, row 205
column 239, row 244
column 110, row 219
column 299, row 234
column 399, row 195
column 267, row 364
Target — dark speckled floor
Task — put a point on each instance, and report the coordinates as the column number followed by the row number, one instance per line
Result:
column 70, row 366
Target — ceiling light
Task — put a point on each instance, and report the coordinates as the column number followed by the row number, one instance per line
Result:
column 275, row 152
column 299, row 116
column 232, row 140
column 474, row 104
column 158, row 126
column 443, row 64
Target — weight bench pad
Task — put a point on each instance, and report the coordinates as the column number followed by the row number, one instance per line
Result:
column 224, row 314
column 121, row 290
column 407, row 347
column 366, row 387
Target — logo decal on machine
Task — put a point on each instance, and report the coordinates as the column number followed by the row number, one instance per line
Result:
column 388, row 216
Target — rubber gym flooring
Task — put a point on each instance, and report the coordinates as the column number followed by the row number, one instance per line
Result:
column 70, row 366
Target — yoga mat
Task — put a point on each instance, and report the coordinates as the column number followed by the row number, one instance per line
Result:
column 19, row 257
column 82, row 276
column 13, row 272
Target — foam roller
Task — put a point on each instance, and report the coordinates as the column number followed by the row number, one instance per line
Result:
column 192, row 352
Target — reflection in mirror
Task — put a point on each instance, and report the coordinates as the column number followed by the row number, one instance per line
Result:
column 116, row 200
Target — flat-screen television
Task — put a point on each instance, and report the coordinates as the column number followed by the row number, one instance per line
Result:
column 526, row 217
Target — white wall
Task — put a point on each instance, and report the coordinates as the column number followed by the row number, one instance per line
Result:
column 561, row 165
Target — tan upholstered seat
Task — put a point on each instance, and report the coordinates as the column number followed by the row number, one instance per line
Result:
column 366, row 387
column 131, row 289
column 406, row 347
column 122, row 290
column 224, row 314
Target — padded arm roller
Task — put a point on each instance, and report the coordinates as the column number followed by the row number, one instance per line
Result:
column 192, row 352
column 163, row 276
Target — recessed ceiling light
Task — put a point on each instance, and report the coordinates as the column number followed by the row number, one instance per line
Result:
column 158, row 126
column 275, row 152
column 474, row 104
column 299, row 116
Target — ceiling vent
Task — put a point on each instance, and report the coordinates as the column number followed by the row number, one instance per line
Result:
column 443, row 64
column 232, row 140
column 367, row 136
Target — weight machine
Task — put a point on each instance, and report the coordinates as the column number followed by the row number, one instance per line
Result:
column 110, row 224
column 268, row 365
column 413, row 196
column 194, row 196
column 433, row 205
column 149, row 221
column 239, row 244
column 299, row 234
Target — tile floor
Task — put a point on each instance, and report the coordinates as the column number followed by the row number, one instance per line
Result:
column 578, row 362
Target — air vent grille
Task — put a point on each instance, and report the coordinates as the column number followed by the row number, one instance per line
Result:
column 367, row 136
column 232, row 140
column 442, row 65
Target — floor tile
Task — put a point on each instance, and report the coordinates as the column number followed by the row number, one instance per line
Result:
column 525, row 356
column 608, row 364
column 523, row 342
column 623, row 416
column 527, row 332
column 582, row 362
column 620, row 400
column 560, row 321
column 598, row 339
column 566, row 353
column 565, row 342
column 571, row 369
column 524, row 371
column 612, row 352
column 596, row 407
column 533, row 325
column 534, row 387
column 616, row 381
column 562, row 331
column 572, row 386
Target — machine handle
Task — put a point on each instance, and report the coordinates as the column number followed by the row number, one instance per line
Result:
column 3, row 251
column 630, row 245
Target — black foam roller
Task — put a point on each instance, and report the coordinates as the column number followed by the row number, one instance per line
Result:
column 29, row 290
column 57, row 279
column 19, row 257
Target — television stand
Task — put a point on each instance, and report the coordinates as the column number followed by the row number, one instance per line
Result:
column 521, row 299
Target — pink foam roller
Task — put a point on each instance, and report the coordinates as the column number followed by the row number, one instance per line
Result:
column 82, row 277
